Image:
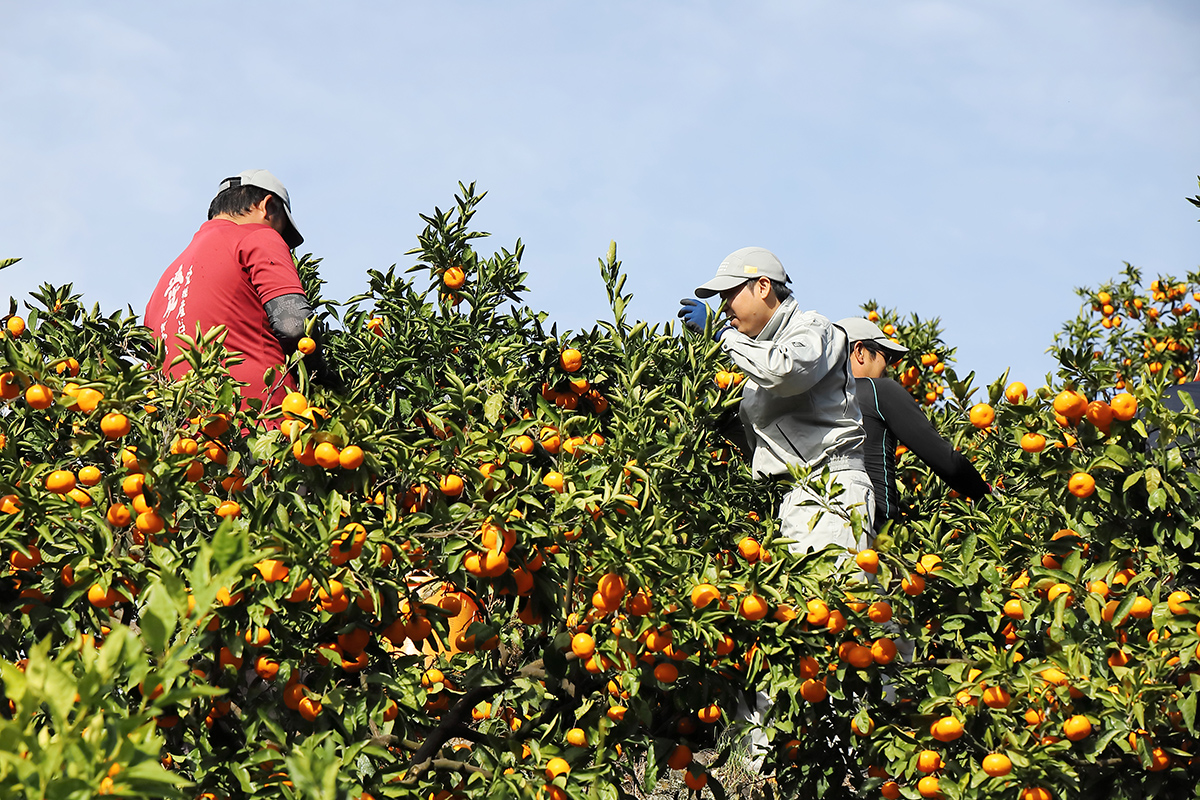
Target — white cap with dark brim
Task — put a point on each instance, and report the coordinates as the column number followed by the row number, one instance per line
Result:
column 863, row 330
column 749, row 263
column 265, row 180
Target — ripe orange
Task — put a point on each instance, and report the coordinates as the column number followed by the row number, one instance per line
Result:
column 880, row 611
column 523, row 444
column 695, row 781
column 818, row 612
column 227, row 509
column 454, row 277
column 307, row 346
column 1081, row 485
column 1033, row 442
column 709, row 714
column 114, row 425
column 570, row 360
column 929, row 761
column 982, row 415
column 996, row 697
column 929, row 564
column 60, row 481
column 15, row 325
column 1071, row 404
column 753, row 607
column 272, row 570
column 1124, row 407
column 1016, row 392
column 913, row 585
column 749, row 549
column 1013, row 609
column 883, row 651
column 577, row 737
column 1035, row 793
column 867, row 561
column 309, row 709
column 1077, row 727
column 554, row 480
column 703, row 594
column 1141, row 608
column 666, row 672
column 557, row 766
column 451, row 485
column 928, row 787
column 997, row 764
column 866, row 731
column 680, row 757
column 890, row 790
column 1100, row 414
column 327, row 455
column 1175, row 602
column 583, row 645
column 39, row 396
column 813, row 690
column 946, row 729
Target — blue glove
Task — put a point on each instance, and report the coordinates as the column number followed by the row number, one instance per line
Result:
column 695, row 316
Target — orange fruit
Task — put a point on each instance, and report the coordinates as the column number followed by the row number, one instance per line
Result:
column 1100, row 414
column 997, row 764
column 818, row 612
column 327, row 455
column 294, row 403
column 890, row 790
column 1124, row 407
column 996, row 697
column 451, row 485
column 309, row 709
column 695, row 781
column 1175, row 602
column 928, row 786
column 1141, row 608
column 1035, row 793
column 1071, row 404
column 227, row 509
column 929, row 564
column 867, row 561
column 857, row 731
column 880, row 611
column 813, row 690
column 982, row 415
column 929, row 761
column 577, row 737
column 1013, row 609
column 272, row 570
column 679, row 757
column 15, row 325
column 1033, row 442
column 749, row 549
column 554, row 480
column 709, row 714
column 1081, row 485
column 666, row 672
column 913, row 585
column 60, row 481
column 1077, row 727
column 703, row 594
column 946, row 729
column 454, row 277
column 557, row 766
column 611, row 586
column 307, row 346
column 753, row 607
column 523, row 444
column 570, row 360
column 883, row 651
column 39, row 396
column 1016, row 392
column 583, row 645
column 114, row 425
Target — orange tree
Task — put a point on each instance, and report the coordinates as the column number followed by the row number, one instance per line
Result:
column 503, row 561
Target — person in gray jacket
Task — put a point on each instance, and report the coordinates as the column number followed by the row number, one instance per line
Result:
column 798, row 406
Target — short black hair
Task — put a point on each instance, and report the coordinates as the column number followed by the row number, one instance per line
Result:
column 237, row 201
column 782, row 292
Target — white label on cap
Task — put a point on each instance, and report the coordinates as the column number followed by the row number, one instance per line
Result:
column 750, row 270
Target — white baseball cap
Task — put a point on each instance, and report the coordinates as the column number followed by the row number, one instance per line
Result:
column 265, row 180
column 743, row 265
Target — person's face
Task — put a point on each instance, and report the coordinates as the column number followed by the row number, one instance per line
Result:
column 865, row 363
column 747, row 306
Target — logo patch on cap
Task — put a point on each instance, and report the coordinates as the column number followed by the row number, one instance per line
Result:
column 750, row 270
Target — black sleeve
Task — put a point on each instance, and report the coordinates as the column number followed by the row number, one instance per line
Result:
column 288, row 314
column 912, row 428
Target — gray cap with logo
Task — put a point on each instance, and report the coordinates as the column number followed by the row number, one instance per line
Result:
column 265, row 180
column 747, row 264
column 863, row 330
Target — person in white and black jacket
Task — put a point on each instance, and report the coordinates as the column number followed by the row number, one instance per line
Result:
column 891, row 416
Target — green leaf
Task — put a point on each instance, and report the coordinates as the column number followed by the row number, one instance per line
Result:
column 158, row 619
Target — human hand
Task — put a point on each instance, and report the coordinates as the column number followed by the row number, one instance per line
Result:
column 695, row 316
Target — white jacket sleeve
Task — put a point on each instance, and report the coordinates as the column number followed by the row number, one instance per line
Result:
column 789, row 367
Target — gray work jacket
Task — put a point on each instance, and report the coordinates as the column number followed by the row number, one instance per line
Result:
column 798, row 406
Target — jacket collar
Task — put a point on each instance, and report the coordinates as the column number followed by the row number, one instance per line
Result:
column 777, row 320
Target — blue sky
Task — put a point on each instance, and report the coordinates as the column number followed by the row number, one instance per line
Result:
column 968, row 160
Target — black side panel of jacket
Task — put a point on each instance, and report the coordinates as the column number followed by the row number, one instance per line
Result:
column 890, row 414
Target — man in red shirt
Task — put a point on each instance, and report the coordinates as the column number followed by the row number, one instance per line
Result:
column 238, row 272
